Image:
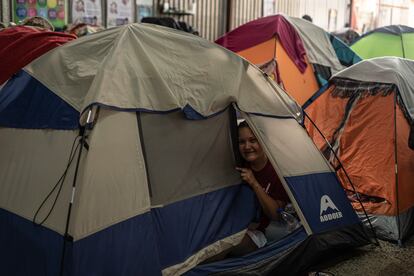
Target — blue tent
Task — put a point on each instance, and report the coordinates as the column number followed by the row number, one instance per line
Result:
column 118, row 159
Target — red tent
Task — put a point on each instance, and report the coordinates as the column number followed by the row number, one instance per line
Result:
column 21, row 44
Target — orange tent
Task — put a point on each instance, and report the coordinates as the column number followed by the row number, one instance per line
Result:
column 366, row 114
column 297, row 54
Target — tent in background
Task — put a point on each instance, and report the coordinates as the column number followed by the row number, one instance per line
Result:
column 20, row 45
column 299, row 55
column 393, row 40
column 147, row 184
column 366, row 114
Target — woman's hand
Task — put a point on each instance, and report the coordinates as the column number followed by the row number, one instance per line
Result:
column 268, row 204
column 248, row 176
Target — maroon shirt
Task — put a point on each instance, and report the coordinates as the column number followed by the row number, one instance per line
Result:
column 270, row 182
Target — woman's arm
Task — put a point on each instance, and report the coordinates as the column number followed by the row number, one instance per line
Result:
column 268, row 204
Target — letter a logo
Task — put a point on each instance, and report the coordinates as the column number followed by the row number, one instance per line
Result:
column 327, row 202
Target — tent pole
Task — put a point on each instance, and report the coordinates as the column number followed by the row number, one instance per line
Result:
column 66, row 237
column 347, row 176
column 396, row 171
column 402, row 45
column 144, row 153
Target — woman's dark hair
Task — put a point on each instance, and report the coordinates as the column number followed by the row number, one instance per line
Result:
column 243, row 124
column 239, row 159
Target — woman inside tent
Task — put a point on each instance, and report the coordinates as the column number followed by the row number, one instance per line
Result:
column 259, row 173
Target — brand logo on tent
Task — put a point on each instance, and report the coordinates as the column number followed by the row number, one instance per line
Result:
column 329, row 211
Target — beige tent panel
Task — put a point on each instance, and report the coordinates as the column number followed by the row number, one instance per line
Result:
column 318, row 46
column 171, row 143
column 72, row 69
column 205, row 253
column 31, row 162
column 123, row 68
column 295, row 154
column 112, row 185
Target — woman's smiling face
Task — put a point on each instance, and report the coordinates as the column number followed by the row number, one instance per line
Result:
column 249, row 146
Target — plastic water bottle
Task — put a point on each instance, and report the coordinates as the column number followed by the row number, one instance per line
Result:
column 290, row 209
column 291, row 221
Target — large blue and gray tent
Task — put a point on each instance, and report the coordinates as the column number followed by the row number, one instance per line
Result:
column 118, row 159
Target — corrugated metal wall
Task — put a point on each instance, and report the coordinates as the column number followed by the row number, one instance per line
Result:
column 5, row 11
column 331, row 15
column 243, row 11
column 209, row 17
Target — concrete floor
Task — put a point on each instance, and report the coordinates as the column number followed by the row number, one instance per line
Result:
column 386, row 259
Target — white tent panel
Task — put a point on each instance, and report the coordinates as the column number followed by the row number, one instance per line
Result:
column 294, row 153
column 317, row 44
column 113, row 183
column 185, row 157
column 398, row 71
column 31, row 162
column 122, row 67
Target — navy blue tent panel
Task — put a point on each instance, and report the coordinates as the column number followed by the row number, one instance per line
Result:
column 322, row 201
column 142, row 245
column 126, row 248
column 185, row 227
column 27, row 249
column 274, row 250
column 27, row 103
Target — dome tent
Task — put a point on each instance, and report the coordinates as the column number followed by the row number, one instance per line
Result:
column 367, row 114
column 19, row 45
column 393, row 40
column 153, row 189
column 298, row 54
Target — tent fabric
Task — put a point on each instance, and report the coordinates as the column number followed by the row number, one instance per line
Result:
column 366, row 103
column 346, row 56
column 197, row 222
column 276, row 144
column 335, row 200
column 109, row 68
column 386, row 70
column 394, row 29
column 120, row 81
column 298, row 159
column 371, row 119
column 28, row 246
column 387, row 227
column 263, row 29
column 209, row 138
column 141, row 236
column 37, row 109
column 20, row 45
column 251, row 262
column 37, row 157
column 263, row 42
column 209, row 251
column 391, row 29
column 291, row 256
column 399, row 41
column 98, row 202
column 288, row 76
column 317, row 44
